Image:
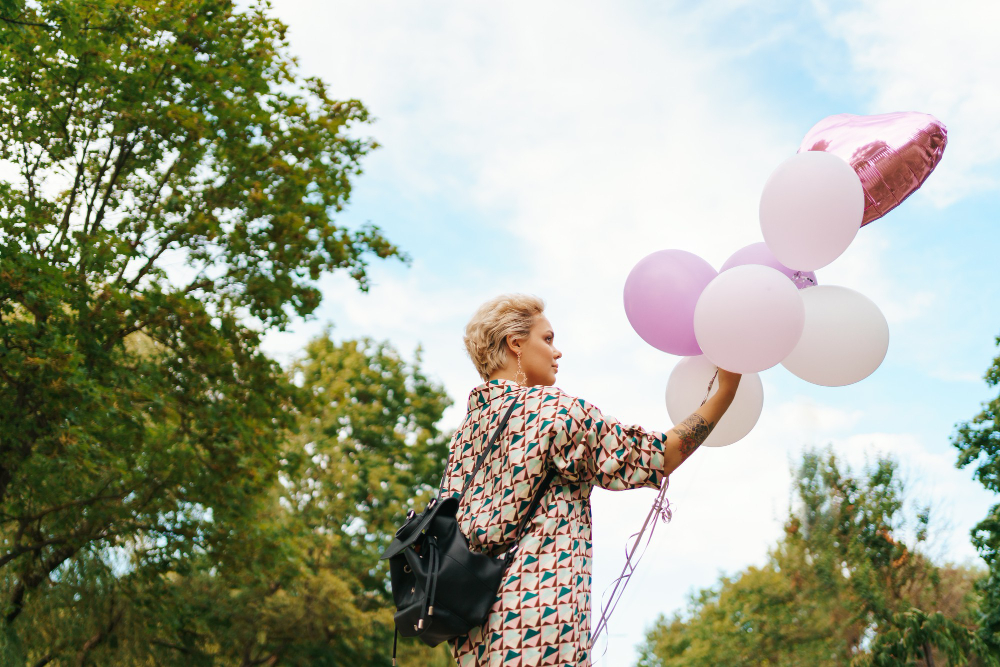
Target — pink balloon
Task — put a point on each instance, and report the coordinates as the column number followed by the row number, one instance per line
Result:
column 661, row 292
column 749, row 318
column 892, row 153
column 759, row 253
column 811, row 209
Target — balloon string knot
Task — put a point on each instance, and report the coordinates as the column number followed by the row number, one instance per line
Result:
column 802, row 280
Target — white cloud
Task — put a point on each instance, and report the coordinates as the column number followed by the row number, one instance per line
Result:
column 862, row 268
column 814, row 422
column 940, row 58
column 949, row 375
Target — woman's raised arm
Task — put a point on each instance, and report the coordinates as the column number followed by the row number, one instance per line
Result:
column 687, row 436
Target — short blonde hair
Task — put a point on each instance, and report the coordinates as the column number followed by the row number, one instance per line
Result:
column 487, row 331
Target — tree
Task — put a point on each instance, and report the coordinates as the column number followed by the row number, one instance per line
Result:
column 369, row 450
column 842, row 586
column 978, row 444
column 299, row 582
column 170, row 189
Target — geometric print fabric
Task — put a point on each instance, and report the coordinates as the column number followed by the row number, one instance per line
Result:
column 541, row 616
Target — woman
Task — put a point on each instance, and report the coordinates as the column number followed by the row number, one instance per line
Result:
column 541, row 616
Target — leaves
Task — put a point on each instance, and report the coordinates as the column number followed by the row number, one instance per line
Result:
column 845, row 586
column 978, row 445
column 174, row 191
column 370, row 448
column 914, row 633
column 296, row 578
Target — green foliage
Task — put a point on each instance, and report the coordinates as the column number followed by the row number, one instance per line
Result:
column 978, row 444
column 369, row 451
column 305, row 586
column 297, row 580
column 910, row 635
column 843, row 585
column 176, row 182
column 762, row 617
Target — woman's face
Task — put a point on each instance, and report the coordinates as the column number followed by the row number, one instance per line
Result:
column 539, row 356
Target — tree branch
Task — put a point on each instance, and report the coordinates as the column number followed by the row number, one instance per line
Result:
column 177, row 647
column 270, row 660
column 89, row 228
column 145, row 218
column 32, row 580
column 97, row 638
column 76, row 96
column 165, row 244
column 28, row 172
column 64, row 224
column 97, row 181
column 27, row 23
column 81, row 165
column 38, row 546
column 74, row 503
column 123, row 155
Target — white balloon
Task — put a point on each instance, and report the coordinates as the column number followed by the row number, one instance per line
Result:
column 749, row 318
column 844, row 340
column 686, row 390
column 811, row 209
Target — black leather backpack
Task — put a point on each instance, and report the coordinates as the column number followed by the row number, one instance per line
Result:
column 442, row 590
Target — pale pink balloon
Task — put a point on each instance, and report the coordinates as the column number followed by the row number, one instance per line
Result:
column 811, row 210
column 749, row 318
column 892, row 153
column 759, row 253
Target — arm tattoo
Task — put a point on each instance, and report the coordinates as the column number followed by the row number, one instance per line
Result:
column 692, row 432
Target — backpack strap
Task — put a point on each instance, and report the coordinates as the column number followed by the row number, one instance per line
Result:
column 486, row 450
column 532, row 508
column 535, row 500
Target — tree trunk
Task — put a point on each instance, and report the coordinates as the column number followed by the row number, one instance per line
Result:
column 928, row 654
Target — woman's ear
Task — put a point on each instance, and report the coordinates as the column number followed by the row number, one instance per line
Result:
column 514, row 343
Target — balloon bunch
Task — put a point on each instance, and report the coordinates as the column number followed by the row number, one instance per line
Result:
column 765, row 306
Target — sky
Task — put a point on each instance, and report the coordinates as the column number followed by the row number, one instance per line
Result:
column 547, row 147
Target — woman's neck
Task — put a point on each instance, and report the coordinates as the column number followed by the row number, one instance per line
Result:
column 502, row 374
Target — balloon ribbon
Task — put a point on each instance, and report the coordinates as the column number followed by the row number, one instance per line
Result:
column 661, row 509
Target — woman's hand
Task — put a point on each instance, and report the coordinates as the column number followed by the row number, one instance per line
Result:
column 728, row 382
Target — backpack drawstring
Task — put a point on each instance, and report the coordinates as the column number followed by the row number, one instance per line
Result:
column 433, row 570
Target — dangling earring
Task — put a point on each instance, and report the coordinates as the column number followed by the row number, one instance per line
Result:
column 520, row 372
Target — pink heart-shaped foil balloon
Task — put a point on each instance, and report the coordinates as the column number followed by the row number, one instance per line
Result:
column 892, row 153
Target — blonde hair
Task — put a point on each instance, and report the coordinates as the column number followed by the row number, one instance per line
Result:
column 487, row 331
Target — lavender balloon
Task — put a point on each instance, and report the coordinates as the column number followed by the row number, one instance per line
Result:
column 759, row 253
column 661, row 292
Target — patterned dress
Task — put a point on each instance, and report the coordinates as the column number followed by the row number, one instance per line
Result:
column 542, row 614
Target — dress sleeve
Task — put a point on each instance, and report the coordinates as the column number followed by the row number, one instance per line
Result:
column 584, row 445
column 447, row 485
